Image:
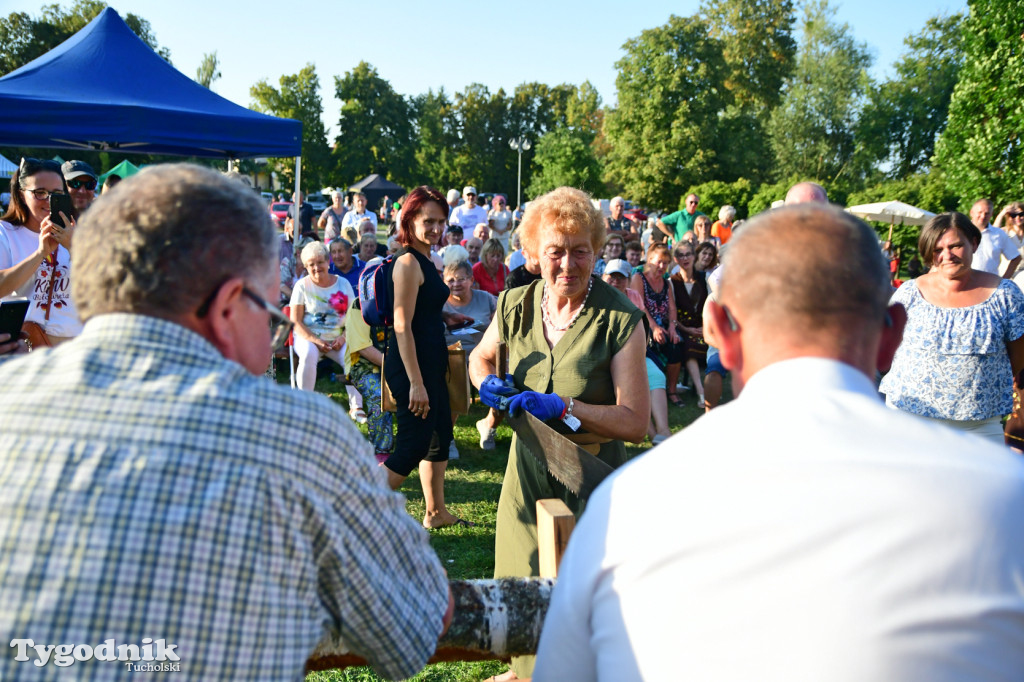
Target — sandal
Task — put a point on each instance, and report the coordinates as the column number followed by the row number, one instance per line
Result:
column 674, row 399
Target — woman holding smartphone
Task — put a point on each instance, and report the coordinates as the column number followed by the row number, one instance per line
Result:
column 35, row 258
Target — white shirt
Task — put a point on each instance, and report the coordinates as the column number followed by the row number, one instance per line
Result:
column 50, row 287
column 801, row 532
column 994, row 243
column 468, row 218
column 352, row 218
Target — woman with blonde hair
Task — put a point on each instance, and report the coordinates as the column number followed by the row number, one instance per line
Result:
column 575, row 361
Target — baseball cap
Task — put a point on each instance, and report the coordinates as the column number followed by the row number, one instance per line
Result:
column 453, row 194
column 73, row 169
column 618, row 266
column 468, row 189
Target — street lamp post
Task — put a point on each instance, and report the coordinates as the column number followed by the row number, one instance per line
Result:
column 520, row 144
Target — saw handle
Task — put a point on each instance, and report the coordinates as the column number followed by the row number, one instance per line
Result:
column 501, row 369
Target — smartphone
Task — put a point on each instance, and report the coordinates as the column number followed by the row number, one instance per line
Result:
column 59, row 203
column 461, row 325
column 12, row 316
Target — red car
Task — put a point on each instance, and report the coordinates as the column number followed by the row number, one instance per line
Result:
column 279, row 211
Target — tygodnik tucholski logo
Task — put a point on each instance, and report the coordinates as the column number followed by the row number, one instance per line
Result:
column 150, row 656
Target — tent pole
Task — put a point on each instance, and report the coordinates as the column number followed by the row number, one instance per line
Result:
column 296, row 232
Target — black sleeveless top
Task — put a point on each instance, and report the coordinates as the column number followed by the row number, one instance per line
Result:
column 427, row 328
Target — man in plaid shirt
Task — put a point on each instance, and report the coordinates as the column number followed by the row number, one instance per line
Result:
column 159, row 495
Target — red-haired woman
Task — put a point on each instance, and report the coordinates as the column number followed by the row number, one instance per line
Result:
column 417, row 356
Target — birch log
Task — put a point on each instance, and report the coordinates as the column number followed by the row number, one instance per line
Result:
column 493, row 619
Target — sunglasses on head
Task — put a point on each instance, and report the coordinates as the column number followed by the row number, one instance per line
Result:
column 80, row 183
column 31, row 166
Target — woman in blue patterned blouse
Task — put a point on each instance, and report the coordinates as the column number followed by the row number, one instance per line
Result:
column 964, row 340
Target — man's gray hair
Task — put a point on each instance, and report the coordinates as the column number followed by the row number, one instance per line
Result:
column 727, row 213
column 164, row 239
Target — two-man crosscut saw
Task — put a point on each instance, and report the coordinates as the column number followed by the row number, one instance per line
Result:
column 571, row 465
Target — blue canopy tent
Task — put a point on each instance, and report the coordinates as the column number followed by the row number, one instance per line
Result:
column 105, row 89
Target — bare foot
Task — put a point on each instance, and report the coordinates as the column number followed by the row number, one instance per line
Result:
column 443, row 520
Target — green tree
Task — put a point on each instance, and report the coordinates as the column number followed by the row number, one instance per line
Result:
column 436, row 140
column 812, row 129
column 209, row 70
column 375, row 128
column 565, row 157
column 24, row 38
column 715, row 194
column 981, row 149
column 671, row 89
column 298, row 97
column 906, row 114
column 759, row 49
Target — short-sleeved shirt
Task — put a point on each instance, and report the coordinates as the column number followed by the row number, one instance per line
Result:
column 953, row 363
column 175, row 495
column 321, row 315
column 481, row 308
column 722, row 231
column 681, row 222
column 333, row 229
column 468, row 218
column 994, row 243
column 352, row 275
column 352, row 218
column 305, row 216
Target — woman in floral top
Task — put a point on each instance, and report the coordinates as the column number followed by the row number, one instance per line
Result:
column 964, row 340
column 319, row 303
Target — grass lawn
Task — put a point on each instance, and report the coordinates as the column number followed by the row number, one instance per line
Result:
column 472, row 486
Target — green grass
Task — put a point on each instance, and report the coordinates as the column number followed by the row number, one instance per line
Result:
column 472, row 486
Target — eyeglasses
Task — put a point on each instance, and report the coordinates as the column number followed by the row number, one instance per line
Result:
column 42, row 194
column 684, row 254
column 471, row 195
column 31, row 166
column 457, row 280
column 1015, row 214
column 78, row 183
column 280, row 324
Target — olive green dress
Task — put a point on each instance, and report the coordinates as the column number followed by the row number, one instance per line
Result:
column 578, row 366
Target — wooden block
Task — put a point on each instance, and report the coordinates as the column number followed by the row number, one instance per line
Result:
column 554, row 526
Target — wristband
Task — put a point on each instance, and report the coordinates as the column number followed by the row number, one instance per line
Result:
column 568, row 419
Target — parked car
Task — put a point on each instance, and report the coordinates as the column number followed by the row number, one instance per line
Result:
column 279, row 211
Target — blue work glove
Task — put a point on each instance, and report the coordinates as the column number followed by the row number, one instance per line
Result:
column 495, row 392
column 543, row 406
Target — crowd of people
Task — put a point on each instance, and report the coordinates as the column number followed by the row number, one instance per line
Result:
column 832, row 502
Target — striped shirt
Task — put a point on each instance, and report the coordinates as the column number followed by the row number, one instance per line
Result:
column 151, row 488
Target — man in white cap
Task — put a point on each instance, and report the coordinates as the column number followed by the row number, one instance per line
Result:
column 468, row 215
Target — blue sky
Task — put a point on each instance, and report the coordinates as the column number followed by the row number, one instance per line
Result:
column 422, row 45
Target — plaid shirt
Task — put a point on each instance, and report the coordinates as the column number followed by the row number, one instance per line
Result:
column 151, row 488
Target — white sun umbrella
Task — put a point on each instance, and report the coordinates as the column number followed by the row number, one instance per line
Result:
column 891, row 212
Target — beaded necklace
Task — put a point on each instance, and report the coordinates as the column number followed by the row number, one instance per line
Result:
column 572, row 320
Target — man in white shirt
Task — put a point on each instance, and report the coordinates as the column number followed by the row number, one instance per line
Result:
column 468, row 215
column 803, row 531
column 994, row 243
column 358, row 213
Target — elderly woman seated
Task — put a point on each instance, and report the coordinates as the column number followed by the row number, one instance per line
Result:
column 319, row 304
column 473, row 310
